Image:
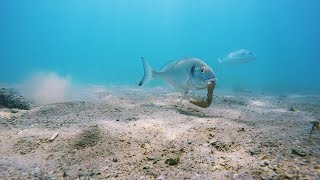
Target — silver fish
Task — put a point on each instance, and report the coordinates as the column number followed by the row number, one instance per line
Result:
column 186, row 74
column 240, row 56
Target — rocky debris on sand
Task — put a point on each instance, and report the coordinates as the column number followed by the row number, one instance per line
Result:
column 12, row 99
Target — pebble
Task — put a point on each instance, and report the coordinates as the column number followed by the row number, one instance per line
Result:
column 291, row 109
column 264, row 163
column 254, row 151
column 160, row 178
column 298, row 152
column 115, row 159
column 14, row 110
column 172, row 161
column 289, row 176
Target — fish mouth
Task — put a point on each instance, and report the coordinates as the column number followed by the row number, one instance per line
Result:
column 212, row 80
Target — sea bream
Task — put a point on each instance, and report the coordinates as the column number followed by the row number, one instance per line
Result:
column 240, row 56
column 186, row 74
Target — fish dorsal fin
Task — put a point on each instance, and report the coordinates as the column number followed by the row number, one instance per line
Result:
column 167, row 64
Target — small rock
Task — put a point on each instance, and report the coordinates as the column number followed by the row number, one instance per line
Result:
column 264, row 163
column 65, row 174
column 173, row 161
column 289, row 176
column 182, row 150
column 142, row 145
column 292, row 109
column 132, row 119
column 299, row 153
column 14, row 110
column 160, row 178
column 254, row 151
column 115, row 159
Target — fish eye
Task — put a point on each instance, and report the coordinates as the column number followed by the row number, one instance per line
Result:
column 202, row 70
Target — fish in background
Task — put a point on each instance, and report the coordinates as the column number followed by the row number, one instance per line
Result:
column 186, row 74
column 238, row 57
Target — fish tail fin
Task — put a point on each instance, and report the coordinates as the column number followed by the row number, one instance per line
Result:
column 220, row 60
column 148, row 72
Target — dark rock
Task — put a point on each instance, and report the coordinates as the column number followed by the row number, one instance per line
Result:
column 115, row 159
column 292, row 109
column 65, row 174
column 241, row 129
column 12, row 99
column 298, row 152
column 264, row 163
column 173, row 161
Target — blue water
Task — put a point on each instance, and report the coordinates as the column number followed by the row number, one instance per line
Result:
column 101, row 42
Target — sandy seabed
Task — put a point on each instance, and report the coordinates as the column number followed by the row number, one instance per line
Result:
column 129, row 133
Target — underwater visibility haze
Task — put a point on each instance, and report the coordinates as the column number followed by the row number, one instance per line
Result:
column 85, row 89
column 101, row 42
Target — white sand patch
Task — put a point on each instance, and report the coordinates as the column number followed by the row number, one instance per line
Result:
column 281, row 110
column 258, row 103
